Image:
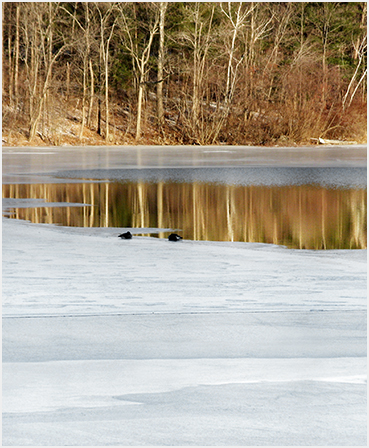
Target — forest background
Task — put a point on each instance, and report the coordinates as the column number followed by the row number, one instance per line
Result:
column 239, row 73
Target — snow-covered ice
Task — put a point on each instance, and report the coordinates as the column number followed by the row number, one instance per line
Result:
column 49, row 270
column 186, row 402
column 147, row 342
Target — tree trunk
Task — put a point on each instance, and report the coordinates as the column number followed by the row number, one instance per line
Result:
column 106, row 62
column 33, row 88
column 159, row 89
column 196, row 69
column 139, row 108
column 92, row 94
column 68, row 80
column 99, row 100
column 16, row 69
column 107, row 95
column 84, row 92
column 10, row 62
column 89, row 62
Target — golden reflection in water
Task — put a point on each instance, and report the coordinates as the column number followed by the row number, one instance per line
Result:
column 304, row 217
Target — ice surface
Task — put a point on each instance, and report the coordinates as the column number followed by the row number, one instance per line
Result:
column 24, row 166
column 92, row 274
column 147, row 342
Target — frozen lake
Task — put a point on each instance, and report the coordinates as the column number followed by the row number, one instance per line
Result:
column 200, row 343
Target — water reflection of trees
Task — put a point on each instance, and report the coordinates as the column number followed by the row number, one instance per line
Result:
column 299, row 216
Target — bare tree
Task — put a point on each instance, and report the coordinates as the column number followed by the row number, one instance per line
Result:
column 257, row 29
column 325, row 26
column 140, row 53
column 360, row 47
column 107, row 26
column 280, row 17
column 236, row 18
column 201, row 40
column 85, row 42
column 159, row 88
column 10, row 53
column 38, row 22
column 16, row 69
column 197, row 38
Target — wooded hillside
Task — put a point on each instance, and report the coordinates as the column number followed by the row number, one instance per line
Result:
column 184, row 73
